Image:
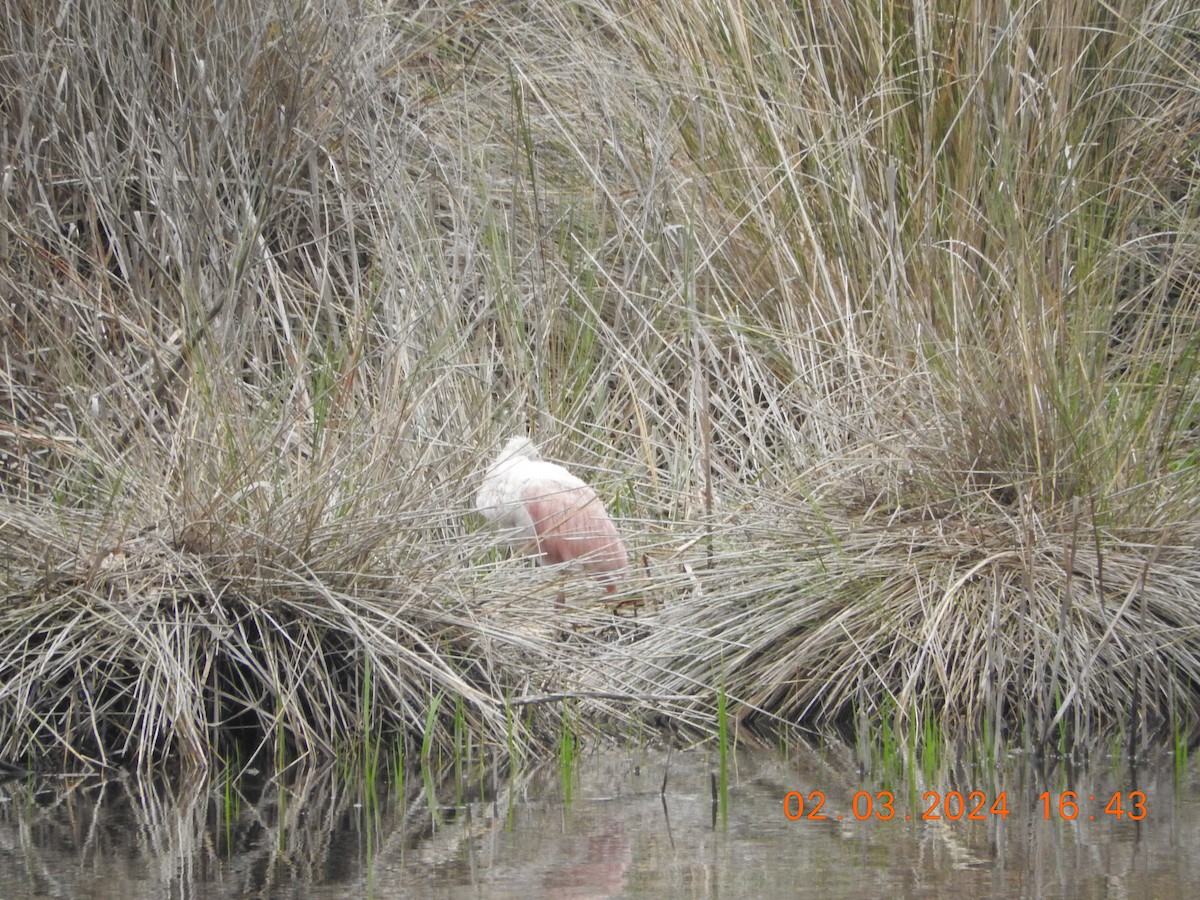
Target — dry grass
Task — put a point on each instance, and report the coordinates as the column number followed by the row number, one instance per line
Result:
column 875, row 323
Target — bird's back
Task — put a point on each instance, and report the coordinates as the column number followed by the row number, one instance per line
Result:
column 572, row 525
column 507, row 484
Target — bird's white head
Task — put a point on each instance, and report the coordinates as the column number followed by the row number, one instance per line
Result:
column 517, row 448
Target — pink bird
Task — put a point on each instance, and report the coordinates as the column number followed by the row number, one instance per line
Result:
column 542, row 509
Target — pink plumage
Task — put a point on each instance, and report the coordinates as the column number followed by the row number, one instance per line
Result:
column 544, row 510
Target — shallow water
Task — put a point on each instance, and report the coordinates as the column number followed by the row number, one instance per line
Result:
column 611, row 830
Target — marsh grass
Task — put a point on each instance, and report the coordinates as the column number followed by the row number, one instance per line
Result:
column 723, row 753
column 568, row 754
column 876, row 324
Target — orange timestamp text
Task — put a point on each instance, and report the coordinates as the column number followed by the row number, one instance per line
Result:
column 974, row 806
column 1069, row 806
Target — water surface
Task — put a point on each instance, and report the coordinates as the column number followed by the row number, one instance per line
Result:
column 613, row 828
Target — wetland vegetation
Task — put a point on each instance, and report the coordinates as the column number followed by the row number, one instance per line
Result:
column 874, row 323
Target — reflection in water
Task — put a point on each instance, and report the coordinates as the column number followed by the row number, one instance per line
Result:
column 313, row 835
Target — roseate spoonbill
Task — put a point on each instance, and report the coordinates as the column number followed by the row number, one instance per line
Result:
column 544, row 510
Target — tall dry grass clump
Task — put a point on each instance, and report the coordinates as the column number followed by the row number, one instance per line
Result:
column 874, row 323
column 963, row 236
column 237, row 428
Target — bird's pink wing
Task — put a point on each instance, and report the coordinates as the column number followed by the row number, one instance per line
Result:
column 572, row 525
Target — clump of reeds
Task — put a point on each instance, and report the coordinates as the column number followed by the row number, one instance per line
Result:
column 966, row 237
column 236, row 434
column 877, row 332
